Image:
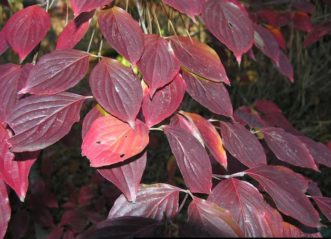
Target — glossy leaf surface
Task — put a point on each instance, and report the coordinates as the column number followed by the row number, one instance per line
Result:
column 4, row 209
column 80, row 6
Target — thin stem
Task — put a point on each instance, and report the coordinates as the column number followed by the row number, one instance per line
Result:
column 90, row 42
column 100, row 48
column 141, row 18
column 183, row 203
column 156, row 129
column 219, row 177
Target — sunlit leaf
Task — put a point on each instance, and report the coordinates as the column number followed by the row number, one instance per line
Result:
column 92, row 115
column 4, row 209
column 80, row 6
column 193, row 8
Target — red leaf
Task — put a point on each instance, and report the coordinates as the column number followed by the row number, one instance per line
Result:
column 214, row 96
column 287, row 189
column 92, row 115
column 302, row 22
column 74, row 31
column 216, row 220
column 266, row 42
column 164, row 103
column 193, row 8
column 127, row 176
column 80, row 6
column 229, row 22
column 75, row 219
column 267, row 107
column 192, row 159
column 324, row 204
column 288, row 148
column 318, row 31
column 56, row 233
column 4, row 209
column 110, row 141
column 153, row 201
column 284, row 66
column 291, row 231
column 57, row 72
column 211, row 138
column 40, row 121
column 199, row 58
column 246, row 115
column 117, row 89
column 278, row 36
column 158, row 63
column 26, row 28
column 123, row 33
column 242, row 144
column 26, row 69
column 3, row 42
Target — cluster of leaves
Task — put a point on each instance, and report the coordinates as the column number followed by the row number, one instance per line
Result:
column 37, row 111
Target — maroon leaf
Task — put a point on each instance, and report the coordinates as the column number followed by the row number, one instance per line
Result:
column 117, row 89
column 80, row 6
column 284, row 66
column 75, row 219
column 247, row 116
column 40, row 121
column 26, row 69
column 126, row 176
column 199, row 58
column 123, row 33
column 110, row 141
column 4, row 209
column 304, row 5
column 214, row 96
column 302, row 22
column 192, row 9
column 92, row 115
column 153, row 201
column 242, row 144
column 228, row 21
column 287, row 189
column 157, row 64
column 266, row 42
column 164, row 103
column 216, row 220
column 26, row 28
column 57, row 72
column 192, row 159
column 74, row 31
column 324, row 204
column 318, row 31
column 3, row 42
column 288, row 148
column 56, row 233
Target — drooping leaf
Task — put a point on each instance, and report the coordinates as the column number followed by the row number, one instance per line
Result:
column 214, row 96
column 57, row 72
column 287, row 189
column 229, row 22
column 74, row 31
column 199, row 58
column 4, row 209
column 126, row 176
column 26, row 28
column 79, row 6
column 123, row 33
column 266, row 42
column 164, row 103
column 117, row 89
column 211, row 138
column 216, row 220
column 40, row 121
column 3, row 42
column 284, row 66
column 110, row 140
column 153, row 201
column 288, row 148
column 324, row 204
column 92, row 115
column 193, row 8
column 318, row 31
column 242, row 144
column 192, row 159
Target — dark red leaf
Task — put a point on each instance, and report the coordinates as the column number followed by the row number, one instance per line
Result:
column 19, row 224
column 158, row 63
column 288, row 148
column 278, row 36
column 287, row 189
column 117, row 89
column 74, row 31
column 123, row 33
column 284, row 66
column 275, row 18
column 229, row 22
column 40, row 121
column 56, row 233
column 80, row 6
column 109, row 141
column 75, row 219
column 192, row 159
column 3, row 42
column 193, row 8
column 266, row 42
column 302, row 22
column 246, row 115
column 26, row 28
column 267, row 107
column 320, row 152
column 214, row 96
column 318, row 31
column 242, row 144
column 324, row 204
column 127, row 176
column 199, row 58
column 57, row 72
column 164, row 103
column 216, row 220
column 153, row 201
column 304, row 5
column 4, row 209
column 92, row 115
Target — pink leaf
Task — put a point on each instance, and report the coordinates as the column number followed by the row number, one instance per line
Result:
column 126, row 176
column 192, row 159
column 228, row 21
column 40, row 121
column 157, row 64
column 26, row 69
column 26, row 28
column 284, row 66
column 199, row 58
column 324, row 204
column 3, row 42
column 193, row 8
column 153, row 201
column 266, row 42
column 57, row 72
column 123, row 33
column 110, row 141
column 4, row 209
column 242, row 144
column 318, row 31
column 291, row 231
column 80, row 6
column 117, row 89
column 164, row 103
column 92, row 115
column 247, row 116
column 214, row 96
